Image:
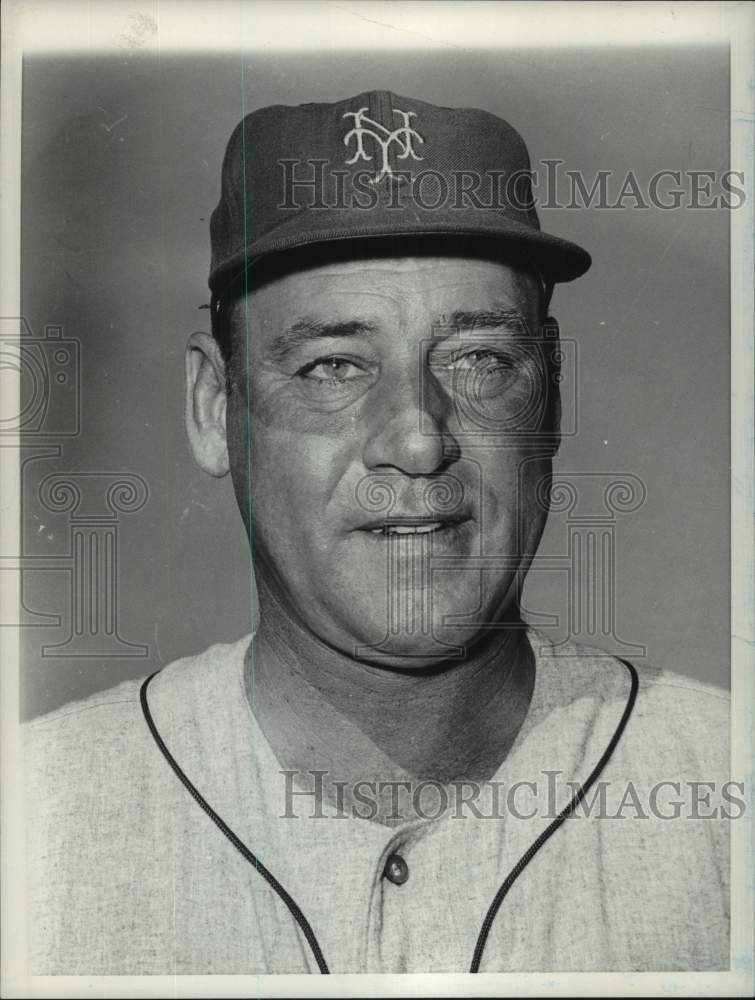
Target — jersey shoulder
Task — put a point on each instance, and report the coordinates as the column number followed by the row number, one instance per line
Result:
column 675, row 720
column 107, row 730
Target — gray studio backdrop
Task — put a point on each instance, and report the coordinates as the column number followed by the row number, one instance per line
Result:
column 133, row 557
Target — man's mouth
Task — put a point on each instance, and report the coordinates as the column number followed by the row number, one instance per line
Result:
column 407, row 529
column 411, row 526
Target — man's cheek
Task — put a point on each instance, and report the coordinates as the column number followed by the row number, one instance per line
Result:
column 511, row 509
column 280, row 405
column 534, row 478
column 301, row 475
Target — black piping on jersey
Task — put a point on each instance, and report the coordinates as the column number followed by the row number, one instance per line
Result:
column 508, row 882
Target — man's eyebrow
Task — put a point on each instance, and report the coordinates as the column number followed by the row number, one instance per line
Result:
column 304, row 331
column 497, row 318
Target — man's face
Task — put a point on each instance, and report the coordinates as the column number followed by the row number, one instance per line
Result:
column 377, row 453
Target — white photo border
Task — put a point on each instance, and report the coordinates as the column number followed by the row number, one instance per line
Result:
column 161, row 26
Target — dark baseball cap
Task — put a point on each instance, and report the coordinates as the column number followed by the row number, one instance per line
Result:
column 377, row 165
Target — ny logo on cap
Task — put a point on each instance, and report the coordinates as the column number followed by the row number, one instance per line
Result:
column 401, row 136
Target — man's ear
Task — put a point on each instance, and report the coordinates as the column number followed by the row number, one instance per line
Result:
column 553, row 353
column 206, row 404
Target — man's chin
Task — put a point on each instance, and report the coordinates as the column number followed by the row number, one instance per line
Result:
column 411, row 651
column 410, row 629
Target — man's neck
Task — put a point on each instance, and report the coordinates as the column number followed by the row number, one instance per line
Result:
column 322, row 710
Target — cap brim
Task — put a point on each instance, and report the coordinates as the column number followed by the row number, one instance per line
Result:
column 558, row 259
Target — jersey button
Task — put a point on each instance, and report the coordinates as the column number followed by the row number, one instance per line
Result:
column 396, row 869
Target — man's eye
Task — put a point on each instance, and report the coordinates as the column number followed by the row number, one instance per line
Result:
column 331, row 370
column 481, row 359
column 485, row 359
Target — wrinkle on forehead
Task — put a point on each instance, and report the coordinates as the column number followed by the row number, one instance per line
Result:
column 523, row 279
column 421, row 265
column 403, row 280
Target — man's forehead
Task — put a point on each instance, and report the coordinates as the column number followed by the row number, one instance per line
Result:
column 411, row 263
column 307, row 296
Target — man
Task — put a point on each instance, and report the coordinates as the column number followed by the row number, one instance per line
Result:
column 393, row 773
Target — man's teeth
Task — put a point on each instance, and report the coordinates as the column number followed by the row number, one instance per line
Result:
column 406, row 529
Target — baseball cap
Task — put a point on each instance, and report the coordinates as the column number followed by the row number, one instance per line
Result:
column 377, row 165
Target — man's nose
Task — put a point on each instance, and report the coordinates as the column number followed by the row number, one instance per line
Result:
column 408, row 425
